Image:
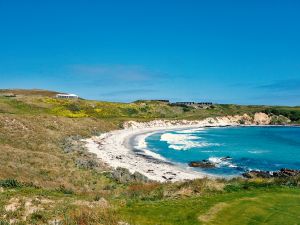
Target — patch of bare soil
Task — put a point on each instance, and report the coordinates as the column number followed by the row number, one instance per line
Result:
column 212, row 212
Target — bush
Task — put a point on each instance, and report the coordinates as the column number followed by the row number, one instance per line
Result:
column 64, row 190
column 73, row 107
column 288, row 181
column 10, row 183
column 4, row 222
column 150, row 191
column 293, row 115
column 38, row 217
column 123, row 175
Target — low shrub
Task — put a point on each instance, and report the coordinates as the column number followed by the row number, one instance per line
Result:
column 65, row 190
column 38, row 216
column 10, row 183
column 238, row 185
column 123, row 175
column 288, row 181
column 91, row 216
column 149, row 191
column 3, row 222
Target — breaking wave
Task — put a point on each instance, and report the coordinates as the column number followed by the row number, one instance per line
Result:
column 221, row 162
column 191, row 131
column 141, row 144
column 179, row 141
column 257, row 152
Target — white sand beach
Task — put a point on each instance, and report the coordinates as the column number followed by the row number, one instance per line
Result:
column 126, row 148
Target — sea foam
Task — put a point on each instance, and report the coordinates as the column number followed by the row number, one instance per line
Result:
column 178, row 141
column 141, row 144
column 220, row 162
column 191, row 131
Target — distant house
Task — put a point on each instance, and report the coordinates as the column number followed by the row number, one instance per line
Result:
column 203, row 105
column 185, row 103
column 161, row 100
column 9, row 95
column 68, row 96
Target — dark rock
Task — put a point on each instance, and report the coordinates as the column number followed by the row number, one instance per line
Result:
column 286, row 173
column 283, row 173
column 257, row 173
column 226, row 158
column 174, row 174
column 202, row 164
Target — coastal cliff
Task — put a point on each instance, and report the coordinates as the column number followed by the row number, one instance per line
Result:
column 259, row 118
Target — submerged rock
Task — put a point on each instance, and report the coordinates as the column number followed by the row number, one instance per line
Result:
column 226, row 158
column 209, row 163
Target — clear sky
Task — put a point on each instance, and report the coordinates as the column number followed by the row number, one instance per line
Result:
column 245, row 52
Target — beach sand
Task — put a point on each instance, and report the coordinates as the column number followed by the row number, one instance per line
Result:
column 126, row 148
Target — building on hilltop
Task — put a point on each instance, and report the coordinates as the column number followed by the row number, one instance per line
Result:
column 203, row 105
column 67, row 96
column 185, row 103
column 161, row 100
column 8, row 95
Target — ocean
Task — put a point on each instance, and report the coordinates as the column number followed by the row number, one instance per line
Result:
column 248, row 148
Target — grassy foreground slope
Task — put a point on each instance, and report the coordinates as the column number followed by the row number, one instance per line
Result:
column 257, row 206
column 46, row 175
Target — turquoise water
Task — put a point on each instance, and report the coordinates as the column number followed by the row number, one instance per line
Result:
column 250, row 148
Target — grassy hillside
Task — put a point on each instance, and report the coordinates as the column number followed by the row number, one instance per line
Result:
column 43, row 102
column 46, row 174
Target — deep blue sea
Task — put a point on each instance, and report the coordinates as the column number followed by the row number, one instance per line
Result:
column 250, row 148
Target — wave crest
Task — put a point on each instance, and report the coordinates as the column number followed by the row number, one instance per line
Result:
column 182, row 141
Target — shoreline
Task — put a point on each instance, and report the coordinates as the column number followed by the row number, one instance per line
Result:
column 118, row 149
column 126, row 148
column 114, row 148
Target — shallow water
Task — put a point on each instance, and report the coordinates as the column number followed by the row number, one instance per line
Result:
column 250, row 148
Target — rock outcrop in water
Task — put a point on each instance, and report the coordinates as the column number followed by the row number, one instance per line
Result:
column 202, row 164
column 207, row 163
column 283, row 173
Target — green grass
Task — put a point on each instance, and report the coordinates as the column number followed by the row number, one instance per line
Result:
column 257, row 206
column 34, row 125
column 41, row 103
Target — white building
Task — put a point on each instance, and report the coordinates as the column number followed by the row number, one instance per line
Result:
column 73, row 96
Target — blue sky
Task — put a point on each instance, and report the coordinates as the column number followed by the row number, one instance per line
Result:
column 245, row 52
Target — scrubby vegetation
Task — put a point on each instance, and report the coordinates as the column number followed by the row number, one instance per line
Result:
column 47, row 176
column 293, row 114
